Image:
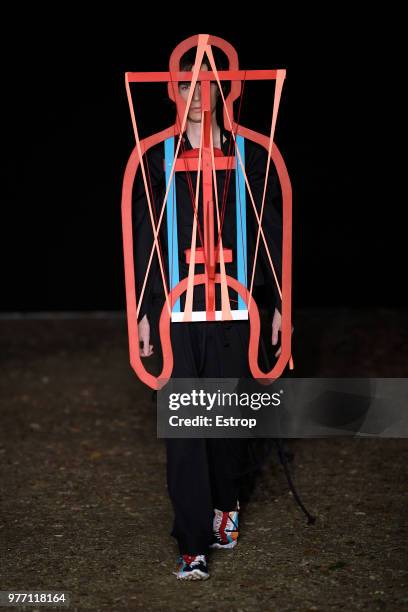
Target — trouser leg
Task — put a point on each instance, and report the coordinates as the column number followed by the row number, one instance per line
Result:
column 204, row 473
column 226, row 461
column 227, row 357
column 189, row 486
column 188, row 478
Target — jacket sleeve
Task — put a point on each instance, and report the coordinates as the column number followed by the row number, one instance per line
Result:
column 143, row 230
column 256, row 163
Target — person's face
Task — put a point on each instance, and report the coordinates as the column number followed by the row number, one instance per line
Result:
column 195, row 107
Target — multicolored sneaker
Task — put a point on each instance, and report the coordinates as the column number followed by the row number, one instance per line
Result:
column 192, row 567
column 225, row 528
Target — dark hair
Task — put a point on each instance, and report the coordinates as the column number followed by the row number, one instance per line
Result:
column 187, row 60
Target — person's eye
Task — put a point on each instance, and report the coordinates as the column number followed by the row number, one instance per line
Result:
column 184, row 86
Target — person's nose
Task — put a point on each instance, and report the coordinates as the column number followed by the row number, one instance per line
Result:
column 197, row 92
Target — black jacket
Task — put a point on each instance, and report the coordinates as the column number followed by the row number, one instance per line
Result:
column 255, row 165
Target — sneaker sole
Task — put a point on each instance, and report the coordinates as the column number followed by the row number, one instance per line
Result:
column 194, row 575
column 229, row 545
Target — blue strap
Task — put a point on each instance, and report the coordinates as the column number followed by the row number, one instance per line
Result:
column 172, row 227
column 240, row 197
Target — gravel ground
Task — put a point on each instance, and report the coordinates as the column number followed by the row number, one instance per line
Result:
column 84, row 505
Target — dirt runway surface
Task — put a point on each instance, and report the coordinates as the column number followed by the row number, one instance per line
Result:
column 84, row 505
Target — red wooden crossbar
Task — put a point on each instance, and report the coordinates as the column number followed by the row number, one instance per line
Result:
column 191, row 164
column 223, row 75
column 200, row 257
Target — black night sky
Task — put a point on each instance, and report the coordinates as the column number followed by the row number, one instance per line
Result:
column 67, row 136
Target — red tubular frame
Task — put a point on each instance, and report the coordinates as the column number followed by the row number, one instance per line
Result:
column 210, row 277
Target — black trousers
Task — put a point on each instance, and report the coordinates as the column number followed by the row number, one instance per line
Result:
column 203, row 474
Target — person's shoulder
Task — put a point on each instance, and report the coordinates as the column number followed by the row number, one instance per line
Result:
column 156, row 152
column 254, row 149
column 154, row 157
column 256, row 161
column 256, row 156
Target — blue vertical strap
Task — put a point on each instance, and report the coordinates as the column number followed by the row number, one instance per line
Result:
column 172, row 227
column 240, row 193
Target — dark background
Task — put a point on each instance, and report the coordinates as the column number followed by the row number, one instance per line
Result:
column 67, row 135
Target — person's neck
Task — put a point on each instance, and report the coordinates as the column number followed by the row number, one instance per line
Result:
column 193, row 131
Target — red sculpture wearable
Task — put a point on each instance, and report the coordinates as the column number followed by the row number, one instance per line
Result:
column 206, row 161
